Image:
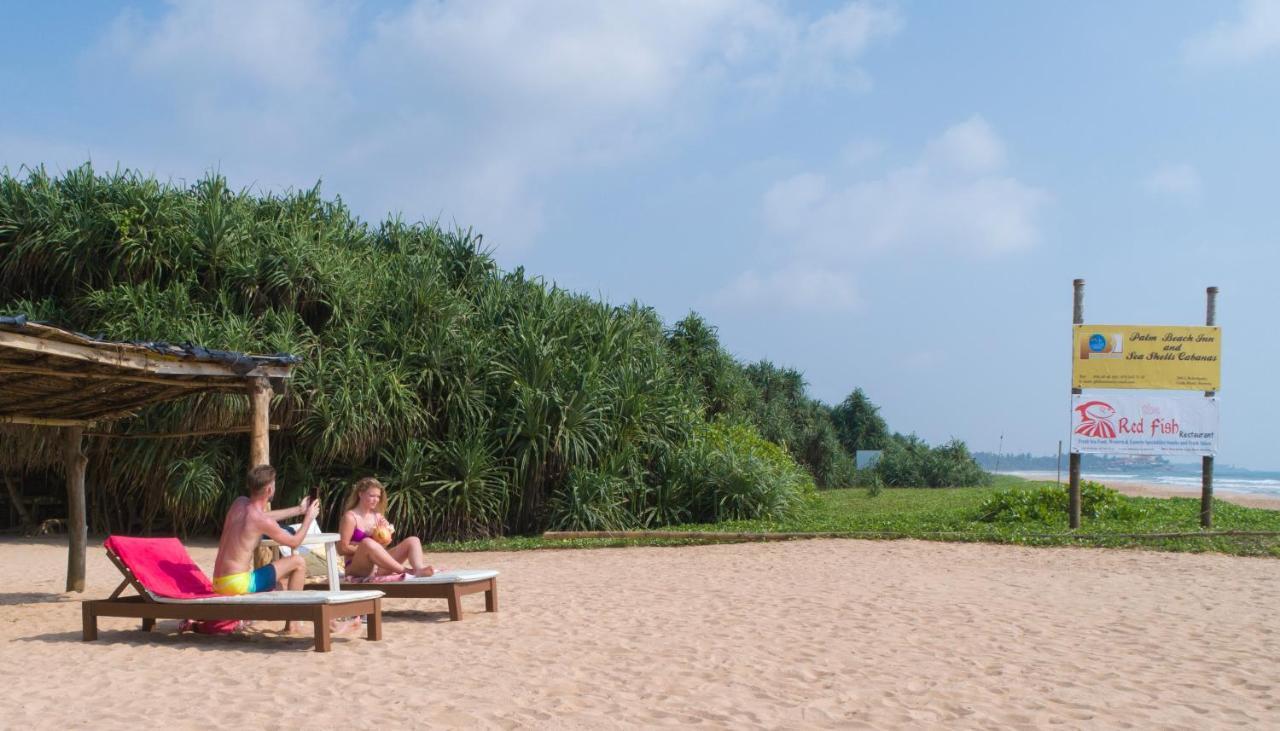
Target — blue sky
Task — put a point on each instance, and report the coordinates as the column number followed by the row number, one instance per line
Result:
column 886, row 195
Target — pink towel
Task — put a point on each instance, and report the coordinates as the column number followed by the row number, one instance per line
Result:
column 377, row 579
column 163, row 566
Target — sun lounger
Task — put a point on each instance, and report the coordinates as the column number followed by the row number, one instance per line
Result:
column 171, row 586
column 450, row 585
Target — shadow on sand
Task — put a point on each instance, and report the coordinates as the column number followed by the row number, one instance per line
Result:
column 33, row 597
column 166, row 638
column 415, row 615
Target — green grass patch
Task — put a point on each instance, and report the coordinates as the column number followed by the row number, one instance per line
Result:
column 956, row 514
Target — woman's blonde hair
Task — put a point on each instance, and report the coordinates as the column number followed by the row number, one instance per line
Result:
column 363, row 485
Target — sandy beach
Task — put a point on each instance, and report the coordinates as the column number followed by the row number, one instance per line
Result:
column 1145, row 489
column 1137, row 488
column 822, row 633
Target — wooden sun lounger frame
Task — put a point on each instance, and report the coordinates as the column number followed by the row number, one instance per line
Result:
column 149, row 610
column 452, row 591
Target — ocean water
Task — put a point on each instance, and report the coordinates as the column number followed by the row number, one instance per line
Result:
column 1248, row 483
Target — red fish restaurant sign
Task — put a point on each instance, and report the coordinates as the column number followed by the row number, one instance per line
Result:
column 1107, row 422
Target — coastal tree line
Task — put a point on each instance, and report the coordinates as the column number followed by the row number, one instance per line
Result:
column 490, row 402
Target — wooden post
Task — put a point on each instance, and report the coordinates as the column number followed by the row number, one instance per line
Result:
column 260, row 426
column 260, row 446
column 1073, row 501
column 77, row 526
column 1206, row 463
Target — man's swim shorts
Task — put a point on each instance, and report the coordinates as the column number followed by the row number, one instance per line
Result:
column 246, row 582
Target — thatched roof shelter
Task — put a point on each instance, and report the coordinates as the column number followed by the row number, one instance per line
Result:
column 55, row 377
column 51, row 377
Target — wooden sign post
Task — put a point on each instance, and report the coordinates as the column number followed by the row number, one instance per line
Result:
column 1164, row 358
column 1073, row 465
column 1206, row 462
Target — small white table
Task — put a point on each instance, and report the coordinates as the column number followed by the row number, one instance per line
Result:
column 330, row 541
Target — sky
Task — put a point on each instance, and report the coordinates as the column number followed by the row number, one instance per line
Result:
column 893, row 196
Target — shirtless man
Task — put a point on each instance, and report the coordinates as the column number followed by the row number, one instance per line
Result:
column 247, row 521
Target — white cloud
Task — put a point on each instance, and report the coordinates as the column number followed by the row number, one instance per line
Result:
column 1177, row 180
column 281, row 46
column 540, row 88
column 824, row 51
column 599, row 56
column 792, row 288
column 467, row 110
column 847, row 32
column 1255, row 33
column 957, row 196
column 970, row 146
column 258, row 90
column 589, row 82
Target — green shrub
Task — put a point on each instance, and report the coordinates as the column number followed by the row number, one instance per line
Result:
column 1050, row 504
column 870, row 480
column 769, row 397
column 590, row 500
column 910, row 462
column 733, row 473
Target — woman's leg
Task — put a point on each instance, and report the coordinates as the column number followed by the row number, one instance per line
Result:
column 370, row 555
column 410, row 550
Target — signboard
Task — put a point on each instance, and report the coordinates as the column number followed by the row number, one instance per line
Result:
column 1110, row 422
column 865, row 458
column 1146, row 356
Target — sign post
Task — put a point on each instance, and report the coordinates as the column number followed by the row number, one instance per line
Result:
column 1073, row 463
column 1108, row 361
column 1206, row 462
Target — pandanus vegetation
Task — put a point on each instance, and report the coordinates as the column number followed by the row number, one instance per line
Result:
column 489, row 402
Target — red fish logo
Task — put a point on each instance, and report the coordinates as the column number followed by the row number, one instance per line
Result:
column 1095, row 420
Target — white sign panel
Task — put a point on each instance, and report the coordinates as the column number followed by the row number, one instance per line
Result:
column 1107, row 422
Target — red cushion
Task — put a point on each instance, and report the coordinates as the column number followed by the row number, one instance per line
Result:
column 162, row 565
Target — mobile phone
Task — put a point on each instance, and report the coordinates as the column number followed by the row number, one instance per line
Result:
column 315, row 495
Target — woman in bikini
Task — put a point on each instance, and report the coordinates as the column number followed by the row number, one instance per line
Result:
column 365, row 555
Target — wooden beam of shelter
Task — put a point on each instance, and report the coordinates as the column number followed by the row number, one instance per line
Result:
column 176, row 434
column 119, row 357
column 39, row 421
column 113, row 377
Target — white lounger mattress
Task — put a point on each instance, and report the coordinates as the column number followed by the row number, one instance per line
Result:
column 457, row 576
column 280, row 597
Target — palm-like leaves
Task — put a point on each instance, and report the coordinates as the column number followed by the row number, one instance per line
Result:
column 486, row 401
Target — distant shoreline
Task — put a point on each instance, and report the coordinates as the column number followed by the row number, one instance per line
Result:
column 1137, row 487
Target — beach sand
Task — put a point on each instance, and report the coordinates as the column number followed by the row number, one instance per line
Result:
column 1146, row 489
column 806, row 634
column 1137, row 488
